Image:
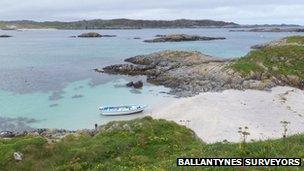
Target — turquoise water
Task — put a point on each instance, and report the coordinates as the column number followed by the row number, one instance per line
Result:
column 74, row 113
column 47, row 76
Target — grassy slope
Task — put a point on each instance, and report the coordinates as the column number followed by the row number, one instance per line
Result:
column 142, row 144
column 278, row 61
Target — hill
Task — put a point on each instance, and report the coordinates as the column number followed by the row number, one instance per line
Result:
column 115, row 24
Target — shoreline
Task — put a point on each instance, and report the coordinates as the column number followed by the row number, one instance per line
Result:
column 216, row 116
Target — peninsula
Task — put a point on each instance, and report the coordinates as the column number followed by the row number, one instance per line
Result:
column 278, row 63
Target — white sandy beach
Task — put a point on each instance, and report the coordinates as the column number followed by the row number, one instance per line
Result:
column 217, row 116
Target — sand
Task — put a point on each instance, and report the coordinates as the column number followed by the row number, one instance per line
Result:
column 217, row 117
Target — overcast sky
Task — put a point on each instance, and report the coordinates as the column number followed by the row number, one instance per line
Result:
column 240, row 11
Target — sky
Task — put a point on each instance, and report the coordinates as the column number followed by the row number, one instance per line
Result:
column 239, row 11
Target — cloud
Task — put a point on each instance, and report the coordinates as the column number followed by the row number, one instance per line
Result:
column 240, row 11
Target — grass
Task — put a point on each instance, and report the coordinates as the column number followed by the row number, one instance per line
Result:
column 141, row 144
column 274, row 61
column 295, row 39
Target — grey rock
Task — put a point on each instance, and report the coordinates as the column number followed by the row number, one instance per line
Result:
column 6, row 134
column 90, row 35
column 5, row 36
column 130, row 84
column 189, row 73
column 186, row 73
column 138, row 84
column 18, row 156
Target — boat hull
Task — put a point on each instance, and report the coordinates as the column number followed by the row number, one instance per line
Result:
column 136, row 110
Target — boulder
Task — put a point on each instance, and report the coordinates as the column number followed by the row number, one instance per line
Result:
column 5, row 36
column 138, row 84
column 130, row 84
column 293, row 80
column 6, row 134
column 18, row 156
column 302, row 84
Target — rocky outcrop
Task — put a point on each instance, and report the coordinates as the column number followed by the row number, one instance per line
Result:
column 92, row 35
column 187, row 73
column 89, row 35
column 270, row 30
column 6, row 134
column 138, row 84
column 181, row 37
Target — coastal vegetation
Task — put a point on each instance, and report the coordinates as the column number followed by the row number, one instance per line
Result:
column 282, row 60
column 296, row 39
column 140, row 144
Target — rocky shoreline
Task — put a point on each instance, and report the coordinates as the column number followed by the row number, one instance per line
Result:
column 19, row 127
column 295, row 30
column 277, row 63
column 189, row 73
column 92, row 35
column 53, row 135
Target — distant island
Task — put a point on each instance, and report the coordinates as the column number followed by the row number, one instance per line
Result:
column 114, row 24
column 127, row 24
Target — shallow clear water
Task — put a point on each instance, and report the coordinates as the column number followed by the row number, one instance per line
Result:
column 47, row 76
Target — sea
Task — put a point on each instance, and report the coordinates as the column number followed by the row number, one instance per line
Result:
column 47, row 78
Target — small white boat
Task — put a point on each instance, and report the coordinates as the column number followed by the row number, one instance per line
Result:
column 121, row 110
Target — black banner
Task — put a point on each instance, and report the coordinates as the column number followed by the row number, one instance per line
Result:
column 239, row 162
